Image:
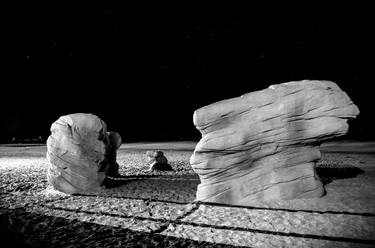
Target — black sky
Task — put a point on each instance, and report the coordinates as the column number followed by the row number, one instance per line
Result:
column 145, row 70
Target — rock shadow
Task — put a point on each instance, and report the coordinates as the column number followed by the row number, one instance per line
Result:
column 329, row 174
column 114, row 182
column 20, row 228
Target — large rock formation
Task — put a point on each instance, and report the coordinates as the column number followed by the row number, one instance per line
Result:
column 81, row 153
column 264, row 145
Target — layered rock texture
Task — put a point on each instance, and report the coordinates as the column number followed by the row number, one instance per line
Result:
column 264, row 145
column 81, row 153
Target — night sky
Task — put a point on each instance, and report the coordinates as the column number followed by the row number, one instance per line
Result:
column 144, row 70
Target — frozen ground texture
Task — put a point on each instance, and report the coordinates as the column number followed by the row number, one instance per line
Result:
column 158, row 209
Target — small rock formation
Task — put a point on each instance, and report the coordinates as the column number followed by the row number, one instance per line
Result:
column 81, row 153
column 264, row 145
column 158, row 161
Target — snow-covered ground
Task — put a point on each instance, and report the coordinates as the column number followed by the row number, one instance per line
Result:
column 158, row 209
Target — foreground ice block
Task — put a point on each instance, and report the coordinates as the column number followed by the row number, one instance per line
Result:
column 264, row 145
column 81, row 153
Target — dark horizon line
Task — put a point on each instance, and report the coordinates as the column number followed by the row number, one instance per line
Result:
column 337, row 139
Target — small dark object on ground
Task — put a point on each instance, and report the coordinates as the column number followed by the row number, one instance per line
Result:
column 160, row 167
column 158, row 161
